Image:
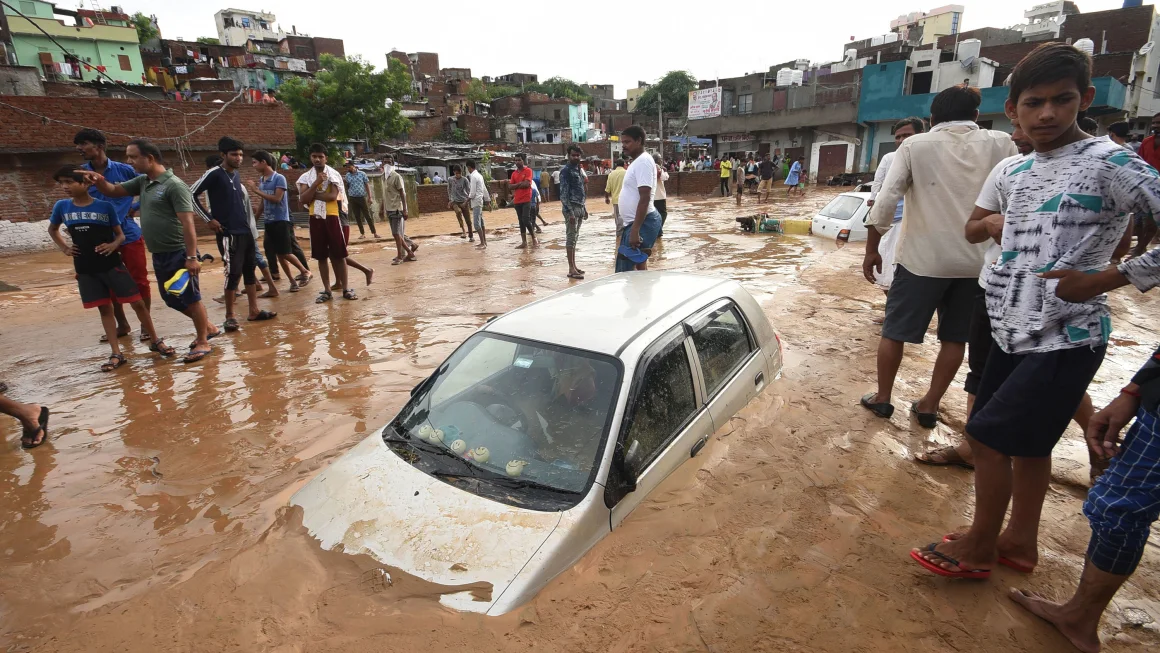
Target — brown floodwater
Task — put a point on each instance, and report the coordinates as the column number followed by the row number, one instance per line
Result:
column 156, row 517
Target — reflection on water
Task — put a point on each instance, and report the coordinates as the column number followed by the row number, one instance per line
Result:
column 158, row 467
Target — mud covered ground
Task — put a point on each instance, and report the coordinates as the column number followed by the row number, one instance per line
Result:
column 155, row 517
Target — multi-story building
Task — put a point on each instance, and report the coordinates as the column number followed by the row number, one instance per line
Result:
column 816, row 119
column 634, row 95
column 239, row 26
column 515, row 79
column 1044, row 21
column 97, row 42
column 925, row 27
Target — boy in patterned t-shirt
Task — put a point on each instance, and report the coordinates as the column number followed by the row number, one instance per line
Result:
column 1067, row 208
column 94, row 227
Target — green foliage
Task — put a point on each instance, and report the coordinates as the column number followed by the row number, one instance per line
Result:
column 208, row 40
column 673, row 89
column 460, row 136
column 485, row 166
column 476, row 91
column 146, row 30
column 498, row 91
column 559, row 87
column 347, row 100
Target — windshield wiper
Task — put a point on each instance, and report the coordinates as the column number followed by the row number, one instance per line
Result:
column 405, row 438
column 506, row 481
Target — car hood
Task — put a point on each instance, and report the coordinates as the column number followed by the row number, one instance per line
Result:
column 373, row 502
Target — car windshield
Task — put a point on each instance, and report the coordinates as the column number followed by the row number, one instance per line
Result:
column 514, row 409
column 842, row 207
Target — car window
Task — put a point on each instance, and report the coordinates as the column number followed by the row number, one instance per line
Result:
column 516, row 408
column 664, row 402
column 722, row 343
column 487, row 357
column 842, row 207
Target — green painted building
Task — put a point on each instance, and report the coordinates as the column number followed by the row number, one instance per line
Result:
column 91, row 38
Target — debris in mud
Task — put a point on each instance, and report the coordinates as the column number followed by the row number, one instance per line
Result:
column 376, row 580
column 459, row 566
column 7, row 288
column 156, row 464
column 1136, row 618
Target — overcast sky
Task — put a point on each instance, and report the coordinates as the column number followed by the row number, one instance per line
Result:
column 638, row 41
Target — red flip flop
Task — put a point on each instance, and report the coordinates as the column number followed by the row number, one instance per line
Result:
column 975, row 574
column 1006, row 562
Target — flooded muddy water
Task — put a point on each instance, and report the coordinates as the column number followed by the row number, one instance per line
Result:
column 156, row 516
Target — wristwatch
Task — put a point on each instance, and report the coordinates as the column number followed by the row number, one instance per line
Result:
column 191, row 258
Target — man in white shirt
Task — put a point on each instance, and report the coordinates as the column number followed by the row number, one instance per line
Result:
column 638, row 220
column 477, row 195
column 940, row 173
column 888, row 245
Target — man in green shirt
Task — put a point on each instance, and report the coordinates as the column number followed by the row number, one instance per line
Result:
column 167, row 228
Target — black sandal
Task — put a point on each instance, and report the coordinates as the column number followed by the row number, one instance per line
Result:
column 263, row 315
column 231, row 324
column 925, row 420
column 882, row 410
column 323, row 297
column 208, row 337
column 28, row 439
column 115, row 361
column 348, row 294
column 160, row 347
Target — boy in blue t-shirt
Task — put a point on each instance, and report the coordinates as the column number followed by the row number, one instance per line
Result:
column 94, row 227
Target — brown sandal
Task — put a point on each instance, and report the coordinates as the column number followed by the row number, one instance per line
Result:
column 944, row 457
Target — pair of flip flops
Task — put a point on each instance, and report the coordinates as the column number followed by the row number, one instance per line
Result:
column 974, row 574
column 1006, row 562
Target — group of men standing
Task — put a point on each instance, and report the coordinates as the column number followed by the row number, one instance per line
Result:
column 1053, row 202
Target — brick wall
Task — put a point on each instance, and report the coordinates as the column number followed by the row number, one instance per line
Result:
column 265, row 126
column 1126, row 29
column 430, row 128
column 478, row 128
column 328, row 46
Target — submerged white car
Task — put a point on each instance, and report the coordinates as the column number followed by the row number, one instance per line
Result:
column 844, row 218
column 542, row 431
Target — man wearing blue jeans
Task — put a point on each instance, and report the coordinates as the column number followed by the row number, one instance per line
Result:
column 639, row 222
column 477, row 195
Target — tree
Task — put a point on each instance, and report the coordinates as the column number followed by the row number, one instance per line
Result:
column 559, row 87
column 673, row 89
column 146, row 30
column 498, row 91
column 208, row 40
column 476, row 92
column 347, row 100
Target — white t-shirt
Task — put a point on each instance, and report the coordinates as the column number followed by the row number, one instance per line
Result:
column 642, row 172
column 992, row 199
column 660, row 193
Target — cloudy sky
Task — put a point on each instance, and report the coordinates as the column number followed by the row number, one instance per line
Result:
column 637, row 41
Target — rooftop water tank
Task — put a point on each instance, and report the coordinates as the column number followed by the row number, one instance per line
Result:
column 797, row 78
column 1087, row 45
column 785, row 77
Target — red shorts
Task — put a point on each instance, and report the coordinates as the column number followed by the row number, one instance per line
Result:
column 133, row 256
column 327, row 240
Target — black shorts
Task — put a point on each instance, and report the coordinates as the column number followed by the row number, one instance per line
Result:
column 913, row 300
column 279, row 238
column 1025, row 401
column 241, row 258
column 101, row 288
column 979, row 345
column 167, row 264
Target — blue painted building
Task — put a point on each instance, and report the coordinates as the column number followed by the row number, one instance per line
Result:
column 883, row 102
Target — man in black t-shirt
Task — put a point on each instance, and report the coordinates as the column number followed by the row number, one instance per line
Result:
column 228, row 204
column 766, row 172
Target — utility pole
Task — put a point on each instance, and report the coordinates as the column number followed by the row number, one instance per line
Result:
column 661, row 124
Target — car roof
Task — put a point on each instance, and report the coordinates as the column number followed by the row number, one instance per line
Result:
column 607, row 314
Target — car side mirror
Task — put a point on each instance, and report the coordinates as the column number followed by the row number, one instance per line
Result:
column 630, row 466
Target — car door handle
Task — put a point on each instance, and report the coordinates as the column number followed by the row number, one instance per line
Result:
column 759, row 379
column 698, row 446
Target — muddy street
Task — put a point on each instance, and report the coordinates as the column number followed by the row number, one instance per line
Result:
column 156, row 516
